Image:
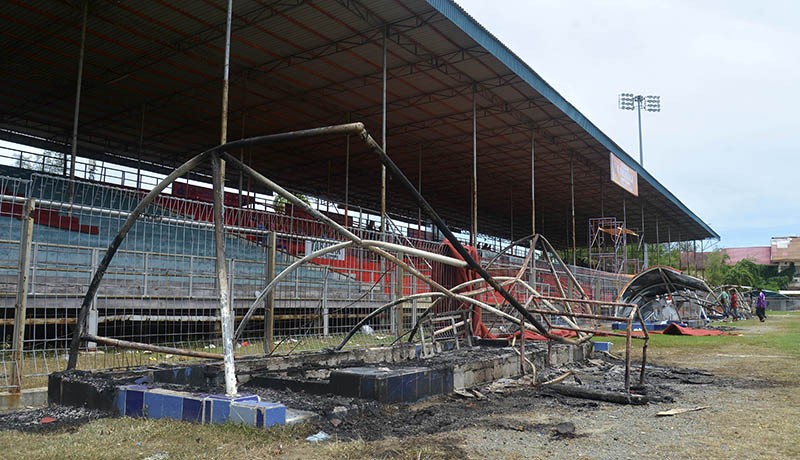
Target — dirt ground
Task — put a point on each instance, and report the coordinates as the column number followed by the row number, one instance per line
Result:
column 737, row 408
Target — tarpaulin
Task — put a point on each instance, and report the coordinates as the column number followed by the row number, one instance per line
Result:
column 533, row 335
column 675, row 329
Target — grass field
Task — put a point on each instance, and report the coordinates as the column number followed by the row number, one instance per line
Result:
column 768, row 351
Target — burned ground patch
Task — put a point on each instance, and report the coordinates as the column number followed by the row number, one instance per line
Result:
column 49, row 420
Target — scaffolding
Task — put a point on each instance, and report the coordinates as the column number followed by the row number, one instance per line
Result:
column 609, row 240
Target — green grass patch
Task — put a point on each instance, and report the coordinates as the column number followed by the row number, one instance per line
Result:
column 777, row 341
column 116, row 438
column 779, row 337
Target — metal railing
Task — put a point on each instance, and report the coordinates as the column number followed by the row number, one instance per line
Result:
column 160, row 288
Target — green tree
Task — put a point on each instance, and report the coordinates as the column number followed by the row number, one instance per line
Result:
column 279, row 202
column 716, row 269
column 49, row 162
column 744, row 273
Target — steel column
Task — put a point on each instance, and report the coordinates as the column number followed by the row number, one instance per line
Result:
column 226, row 315
column 658, row 244
column 75, row 117
column 139, row 153
column 383, row 135
column 473, row 239
column 572, row 200
column 18, row 343
column 643, row 240
column 534, row 237
column 269, row 300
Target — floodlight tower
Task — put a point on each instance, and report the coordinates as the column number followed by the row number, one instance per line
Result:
column 627, row 101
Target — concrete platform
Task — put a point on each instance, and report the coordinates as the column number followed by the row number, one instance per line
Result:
column 34, row 397
column 387, row 375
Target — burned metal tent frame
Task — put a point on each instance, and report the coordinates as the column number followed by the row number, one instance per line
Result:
column 459, row 112
column 216, row 156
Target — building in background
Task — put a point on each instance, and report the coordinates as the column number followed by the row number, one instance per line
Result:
column 784, row 252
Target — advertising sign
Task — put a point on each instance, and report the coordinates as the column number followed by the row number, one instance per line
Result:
column 312, row 246
column 623, row 175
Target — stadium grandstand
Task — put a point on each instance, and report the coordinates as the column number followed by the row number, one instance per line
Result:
column 105, row 101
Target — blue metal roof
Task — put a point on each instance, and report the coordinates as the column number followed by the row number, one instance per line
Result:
column 487, row 40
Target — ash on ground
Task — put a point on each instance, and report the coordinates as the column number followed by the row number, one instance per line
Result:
column 492, row 405
column 50, row 419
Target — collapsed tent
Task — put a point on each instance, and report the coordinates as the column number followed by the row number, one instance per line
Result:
column 665, row 294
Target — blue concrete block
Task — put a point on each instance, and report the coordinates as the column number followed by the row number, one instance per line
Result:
column 119, row 401
column 260, row 419
column 217, row 408
column 273, row 413
column 387, row 385
column 381, row 390
column 394, row 388
column 153, row 405
column 259, row 414
column 410, row 388
column 244, row 414
column 160, row 403
column 437, row 382
column 447, row 381
column 347, row 383
column 193, row 408
column 134, row 400
column 602, row 346
column 424, row 384
column 367, row 390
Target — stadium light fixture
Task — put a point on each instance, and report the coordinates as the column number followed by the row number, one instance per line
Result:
column 629, row 101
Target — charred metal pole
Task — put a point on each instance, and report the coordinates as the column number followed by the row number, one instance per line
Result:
column 191, row 164
column 383, row 136
column 150, row 347
column 383, row 237
column 347, row 180
column 226, row 75
column 218, row 166
column 18, row 342
column 79, row 84
column 226, row 314
column 114, row 246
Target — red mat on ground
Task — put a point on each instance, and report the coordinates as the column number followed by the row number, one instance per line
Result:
column 531, row 335
column 674, row 329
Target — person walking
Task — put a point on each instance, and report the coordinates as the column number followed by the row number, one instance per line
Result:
column 761, row 306
column 734, row 305
column 725, row 301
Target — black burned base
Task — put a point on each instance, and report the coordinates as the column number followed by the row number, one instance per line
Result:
column 392, row 385
column 387, row 375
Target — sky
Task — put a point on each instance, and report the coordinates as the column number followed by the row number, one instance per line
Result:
column 728, row 73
